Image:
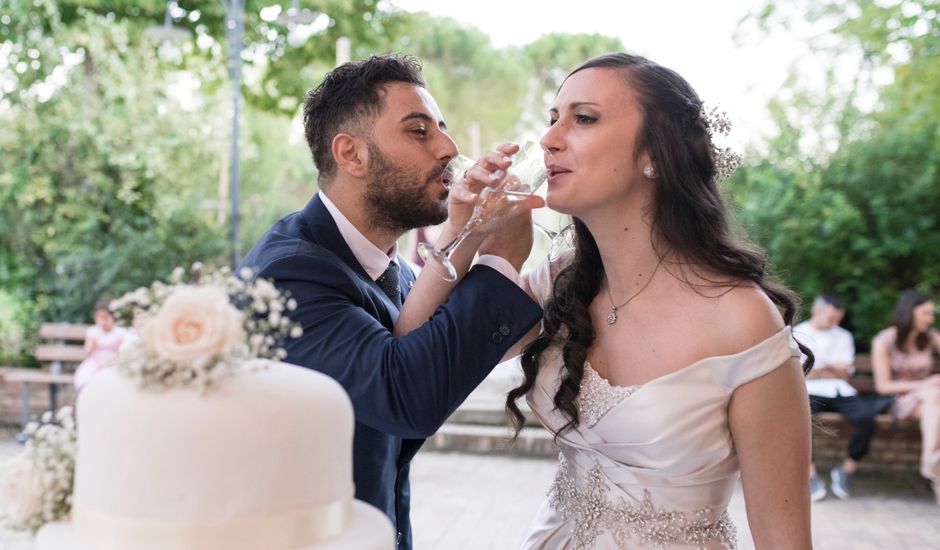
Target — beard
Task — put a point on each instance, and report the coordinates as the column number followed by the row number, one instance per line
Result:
column 397, row 196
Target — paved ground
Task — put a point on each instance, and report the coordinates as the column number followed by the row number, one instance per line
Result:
column 473, row 502
column 464, row 502
column 886, row 513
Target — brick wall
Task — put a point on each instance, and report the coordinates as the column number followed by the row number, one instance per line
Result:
column 11, row 400
column 895, row 448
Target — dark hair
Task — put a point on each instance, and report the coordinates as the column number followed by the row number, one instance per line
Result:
column 688, row 215
column 348, row 95
column 903, row 318
column 103, row 303
column 832, row 299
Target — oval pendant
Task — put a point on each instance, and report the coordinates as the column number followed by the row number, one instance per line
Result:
column 612, row 317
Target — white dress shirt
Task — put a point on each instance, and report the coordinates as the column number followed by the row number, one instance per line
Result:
column 834, row 345
column 374, row 261
column 370, row 257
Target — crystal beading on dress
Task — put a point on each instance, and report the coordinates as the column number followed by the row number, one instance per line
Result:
column 597, row 396
column 593, row 514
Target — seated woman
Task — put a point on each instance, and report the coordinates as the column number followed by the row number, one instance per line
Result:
column 903, row 361
column 102, row 342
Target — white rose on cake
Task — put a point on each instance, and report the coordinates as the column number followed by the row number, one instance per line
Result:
column 194, row 326
column 21, row 489
column 202, row 327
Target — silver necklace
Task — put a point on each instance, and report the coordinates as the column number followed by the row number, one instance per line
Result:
column 612, row 316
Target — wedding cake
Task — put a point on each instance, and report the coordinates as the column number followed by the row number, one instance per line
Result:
column 261, row 462
column 259, row 459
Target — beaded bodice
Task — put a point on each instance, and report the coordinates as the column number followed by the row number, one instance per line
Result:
column 648, row 466
column 587, row 501
column 597, row 396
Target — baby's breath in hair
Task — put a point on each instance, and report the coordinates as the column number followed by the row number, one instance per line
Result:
column 725, row 159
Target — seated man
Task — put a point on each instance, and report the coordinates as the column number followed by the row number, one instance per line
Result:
column 828, row 389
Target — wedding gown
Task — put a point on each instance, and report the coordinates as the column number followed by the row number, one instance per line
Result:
column 649, row 466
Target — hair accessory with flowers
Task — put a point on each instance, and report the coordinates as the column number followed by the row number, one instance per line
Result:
column 726, row 160
column 203, row 326
column 36, row 484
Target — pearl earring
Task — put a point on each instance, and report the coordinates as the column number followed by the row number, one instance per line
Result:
column 649, row 171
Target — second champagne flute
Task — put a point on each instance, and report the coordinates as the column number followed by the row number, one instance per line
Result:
column 523, row 178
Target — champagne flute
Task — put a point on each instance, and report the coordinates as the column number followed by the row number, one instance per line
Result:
column 561, row 240
column 526, row 174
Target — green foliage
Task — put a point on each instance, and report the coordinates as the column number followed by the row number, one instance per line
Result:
column 290, row 70
column 99, row 179
column 555, row 55
column 13, row 343
column 115, row 164
column 283, row 69
column 552, row 57
column 862, row 220
column 506, row 91
column 471, row 81
column 278, row 176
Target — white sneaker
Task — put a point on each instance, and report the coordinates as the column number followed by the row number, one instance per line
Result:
column 840, row 482
column 817, row 489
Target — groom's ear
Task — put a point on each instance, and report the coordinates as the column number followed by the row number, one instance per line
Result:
column 351, row 154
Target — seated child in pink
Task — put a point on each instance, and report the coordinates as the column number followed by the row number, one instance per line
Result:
column 102, row 341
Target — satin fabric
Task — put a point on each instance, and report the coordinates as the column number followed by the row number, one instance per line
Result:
column 667, row 444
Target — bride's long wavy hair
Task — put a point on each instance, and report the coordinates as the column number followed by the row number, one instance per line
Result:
column 688, row 215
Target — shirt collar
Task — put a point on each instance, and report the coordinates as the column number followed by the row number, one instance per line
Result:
column 372, row 259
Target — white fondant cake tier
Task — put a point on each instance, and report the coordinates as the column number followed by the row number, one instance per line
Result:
column 368, row 529
column 263, row 460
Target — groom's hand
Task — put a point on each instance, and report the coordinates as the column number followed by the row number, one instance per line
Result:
column 513, row 240
column 488, row 171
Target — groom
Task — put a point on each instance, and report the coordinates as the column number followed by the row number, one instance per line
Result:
column 380, row 145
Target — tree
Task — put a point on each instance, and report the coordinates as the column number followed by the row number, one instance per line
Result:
column 551, row 58
column 283, row 60
column 554, row 55
column 102, row 176
column 862, row 219
column 473, row 83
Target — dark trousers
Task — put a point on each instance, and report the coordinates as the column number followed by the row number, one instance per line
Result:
column 858, row 411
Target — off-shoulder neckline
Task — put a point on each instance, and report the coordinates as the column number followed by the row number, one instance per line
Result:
column 787, row 330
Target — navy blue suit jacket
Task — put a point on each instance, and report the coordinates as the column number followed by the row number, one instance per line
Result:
column 402, row 389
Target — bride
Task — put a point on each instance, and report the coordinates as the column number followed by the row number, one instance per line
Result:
column 665, row 364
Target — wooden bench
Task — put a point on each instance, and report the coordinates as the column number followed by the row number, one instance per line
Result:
column 895, row 447
column 62, row 347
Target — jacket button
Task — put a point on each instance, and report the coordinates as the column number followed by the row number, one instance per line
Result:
column 497, row 338
column 504, row 330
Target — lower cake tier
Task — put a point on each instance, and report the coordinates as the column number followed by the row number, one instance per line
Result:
column 368, row 529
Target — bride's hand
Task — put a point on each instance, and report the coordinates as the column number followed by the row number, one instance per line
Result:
column 489, row 171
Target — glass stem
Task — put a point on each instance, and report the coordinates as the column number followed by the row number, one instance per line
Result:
column 468, row 228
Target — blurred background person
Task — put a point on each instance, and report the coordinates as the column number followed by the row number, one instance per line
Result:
column 829, row 390
column 102, row 342
column 903, row 363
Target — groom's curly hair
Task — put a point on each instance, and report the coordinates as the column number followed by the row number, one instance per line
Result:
column 349, row 97
column 688, row 214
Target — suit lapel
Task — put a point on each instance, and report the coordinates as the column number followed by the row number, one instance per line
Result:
column 323, row 231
